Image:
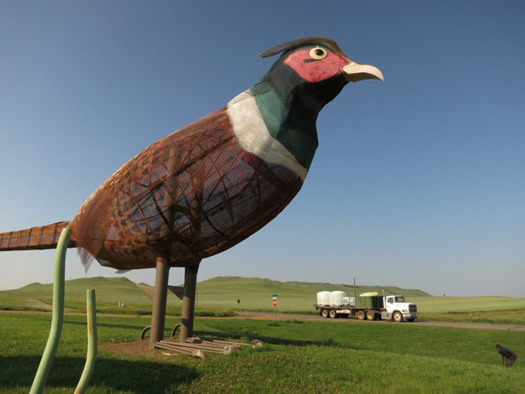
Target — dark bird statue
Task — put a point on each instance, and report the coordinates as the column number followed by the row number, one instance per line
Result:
column 213, row 183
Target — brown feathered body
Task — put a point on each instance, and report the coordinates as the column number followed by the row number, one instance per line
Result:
column 188, row 196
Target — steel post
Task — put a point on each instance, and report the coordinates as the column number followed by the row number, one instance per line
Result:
column 158, row 316
column 188, row 302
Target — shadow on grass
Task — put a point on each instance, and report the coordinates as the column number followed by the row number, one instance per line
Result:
column 111, row 375
column 329, row 342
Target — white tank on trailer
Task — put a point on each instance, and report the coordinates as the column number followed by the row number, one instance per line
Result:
column 323, row 298
column 336, row 297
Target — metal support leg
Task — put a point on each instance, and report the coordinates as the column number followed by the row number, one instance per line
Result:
column 188, row 302
column 159, row 301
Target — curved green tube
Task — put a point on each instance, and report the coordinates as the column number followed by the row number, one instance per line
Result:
column 58, row 315
column 92, row 342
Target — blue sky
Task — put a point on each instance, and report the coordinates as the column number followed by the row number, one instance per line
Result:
column 418, row 181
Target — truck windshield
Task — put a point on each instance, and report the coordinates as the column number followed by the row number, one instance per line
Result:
column 400, row 299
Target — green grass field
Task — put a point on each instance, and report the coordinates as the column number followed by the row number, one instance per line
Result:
column 326, row 356
column 502, row 310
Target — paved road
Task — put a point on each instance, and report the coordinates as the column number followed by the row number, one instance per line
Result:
column 287, row 316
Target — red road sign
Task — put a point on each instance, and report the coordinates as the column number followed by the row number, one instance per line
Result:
column 274, row 302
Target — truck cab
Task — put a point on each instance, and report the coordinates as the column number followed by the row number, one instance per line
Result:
column 396, row 308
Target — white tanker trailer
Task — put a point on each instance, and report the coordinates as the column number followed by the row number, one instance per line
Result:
column 367, row 306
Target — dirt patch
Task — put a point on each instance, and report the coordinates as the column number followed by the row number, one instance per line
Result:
column 138, row 348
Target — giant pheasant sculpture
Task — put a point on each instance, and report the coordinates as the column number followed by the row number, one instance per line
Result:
column 213, row 183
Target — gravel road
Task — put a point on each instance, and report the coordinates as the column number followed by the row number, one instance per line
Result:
column 287, row 316
column 290, row 316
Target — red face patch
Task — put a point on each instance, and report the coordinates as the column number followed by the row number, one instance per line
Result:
column 317, row 64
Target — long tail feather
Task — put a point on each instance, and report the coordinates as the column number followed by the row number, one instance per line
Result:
column 42, row 237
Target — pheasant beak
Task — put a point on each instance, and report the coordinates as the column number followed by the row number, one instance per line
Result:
column 355, row 72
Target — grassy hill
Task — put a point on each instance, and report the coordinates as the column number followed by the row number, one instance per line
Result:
column 217, row 294
column 256, row 294
column 109, row 293
column 231, row 284
column 219, row 297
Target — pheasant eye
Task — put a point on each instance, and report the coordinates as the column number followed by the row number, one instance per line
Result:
column 318, row 53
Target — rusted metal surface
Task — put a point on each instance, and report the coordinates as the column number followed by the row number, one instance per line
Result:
column 190, row 195
column 43, row 237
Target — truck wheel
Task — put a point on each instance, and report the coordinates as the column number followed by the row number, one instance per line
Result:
column 370, row 315
column 398, row 317
column 361, row 315
column 324, row 313
column 333, row 315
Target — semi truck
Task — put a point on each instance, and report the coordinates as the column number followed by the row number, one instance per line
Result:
column 366, row 306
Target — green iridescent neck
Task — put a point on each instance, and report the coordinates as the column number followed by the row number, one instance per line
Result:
column 294, row 128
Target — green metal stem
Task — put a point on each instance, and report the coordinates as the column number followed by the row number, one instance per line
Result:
column 92, row 342
column 58, row 315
